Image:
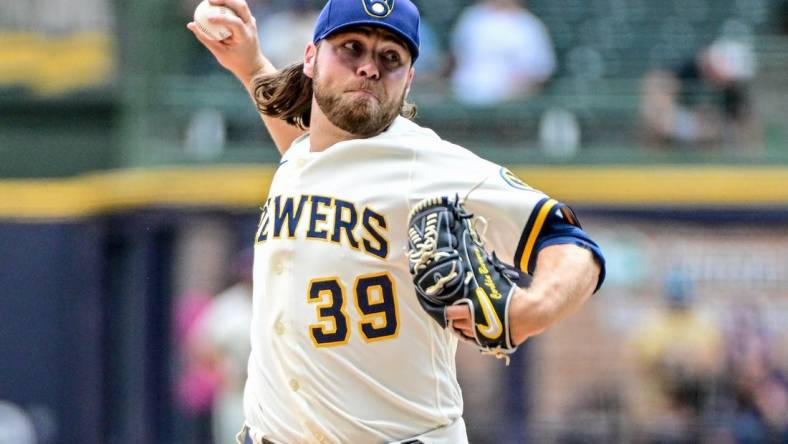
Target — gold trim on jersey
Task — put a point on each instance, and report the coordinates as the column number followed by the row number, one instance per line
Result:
column 534, row 234
column 370, row 318
column 318, row 222
column 328, row 324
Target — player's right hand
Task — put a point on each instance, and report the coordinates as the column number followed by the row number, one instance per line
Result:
column 240, row 53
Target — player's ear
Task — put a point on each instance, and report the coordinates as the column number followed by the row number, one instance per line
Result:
column 411, row 74
column 310, row 56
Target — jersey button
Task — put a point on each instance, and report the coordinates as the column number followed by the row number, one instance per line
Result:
column 294, row 385
column 279, row 327
column 279, row 268
column 301, row 163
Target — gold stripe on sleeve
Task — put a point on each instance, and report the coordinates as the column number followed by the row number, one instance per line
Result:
column 535, row 230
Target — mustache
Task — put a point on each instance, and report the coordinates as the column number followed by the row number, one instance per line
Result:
column 368, row 86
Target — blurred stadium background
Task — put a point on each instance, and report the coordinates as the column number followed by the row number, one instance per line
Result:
column 132, row 168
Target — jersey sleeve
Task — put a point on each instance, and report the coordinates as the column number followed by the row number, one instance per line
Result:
column 521, row 221
column 515, row 220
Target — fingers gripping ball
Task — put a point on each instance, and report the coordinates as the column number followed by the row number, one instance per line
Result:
column 450, row 266
column 212, row 30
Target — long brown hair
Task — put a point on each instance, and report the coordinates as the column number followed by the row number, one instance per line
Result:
column 287, row 94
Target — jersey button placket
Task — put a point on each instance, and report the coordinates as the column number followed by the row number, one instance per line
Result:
column 286, row 275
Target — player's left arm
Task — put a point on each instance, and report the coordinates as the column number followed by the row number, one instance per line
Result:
column 566, row 266
column 566, row 275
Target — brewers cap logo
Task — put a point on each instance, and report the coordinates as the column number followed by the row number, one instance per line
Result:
column 378, row 8
column 513, row 180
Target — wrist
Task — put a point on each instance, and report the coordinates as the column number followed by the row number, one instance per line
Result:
column 527, row 315
column 261, row 66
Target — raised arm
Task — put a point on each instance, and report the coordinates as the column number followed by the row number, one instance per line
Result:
column 240, row 54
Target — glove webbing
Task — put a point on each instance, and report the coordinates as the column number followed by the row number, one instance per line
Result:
column 426, row 249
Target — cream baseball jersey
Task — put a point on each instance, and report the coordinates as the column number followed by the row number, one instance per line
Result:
column 342, row 352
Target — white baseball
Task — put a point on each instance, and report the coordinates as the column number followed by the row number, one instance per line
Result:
column 212, row 30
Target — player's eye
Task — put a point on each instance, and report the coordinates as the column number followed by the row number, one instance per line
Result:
column 352, row 46
column 392, row 59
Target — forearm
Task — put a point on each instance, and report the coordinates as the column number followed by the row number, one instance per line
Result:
column 565, row 276
column 281, row 132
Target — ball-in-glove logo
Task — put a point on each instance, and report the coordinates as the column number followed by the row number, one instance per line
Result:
column 513, row 180
column 378, row 8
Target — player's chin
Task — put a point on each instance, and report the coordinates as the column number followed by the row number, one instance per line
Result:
column 365, row 110
column 363, row 118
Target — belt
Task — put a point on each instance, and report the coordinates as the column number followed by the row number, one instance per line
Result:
column 248, row 440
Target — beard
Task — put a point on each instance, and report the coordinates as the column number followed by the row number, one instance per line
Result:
column 362, row 116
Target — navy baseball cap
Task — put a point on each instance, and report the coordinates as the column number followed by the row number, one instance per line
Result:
column 401, row 17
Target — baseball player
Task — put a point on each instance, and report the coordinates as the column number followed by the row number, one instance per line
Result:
column 368, row 262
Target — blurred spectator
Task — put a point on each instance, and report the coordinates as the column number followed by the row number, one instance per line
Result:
column 431, row 65
column 679, row 356
column 223, row 334
column 501, row 51
column 284, row 34
column 57, row 16
column 704, row 101
column 196, row 381
column 757, row 389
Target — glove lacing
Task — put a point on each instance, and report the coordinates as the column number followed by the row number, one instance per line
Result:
column 499, row 353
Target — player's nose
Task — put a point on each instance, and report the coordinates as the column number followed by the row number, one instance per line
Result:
column 369, row 69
